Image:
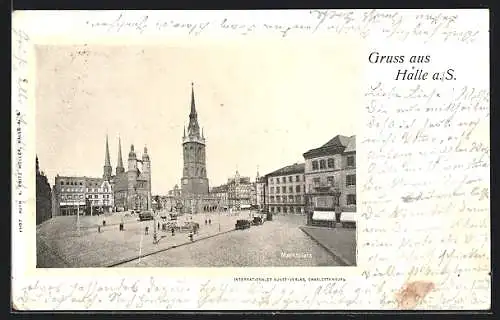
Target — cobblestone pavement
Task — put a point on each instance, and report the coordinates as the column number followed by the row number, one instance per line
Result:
column 340, row 241
column 60, row 244
column 276, row 243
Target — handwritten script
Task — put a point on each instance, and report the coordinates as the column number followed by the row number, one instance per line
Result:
column 422, row 165
column 426, row 192
column 396, row 25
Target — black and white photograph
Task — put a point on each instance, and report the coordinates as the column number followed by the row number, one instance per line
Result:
column 195, row 156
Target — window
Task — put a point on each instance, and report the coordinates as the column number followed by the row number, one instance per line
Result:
column 272, row 209
column 350, row 161
column 278, row 199
column 284, row 210
column 272, row 198
column 351, row 199
column 315, row 165
column 283, row 180
column 297, row 199
column 290, row 199
column 322, row 164
column 283, row 189
column 350, row 180
column 290, row 189
column 290, row 179
column 62, row 183
column 330, row 180
column 272, row 190
column 297, row 178
column 316, row 181
column 331, row 163
column 297, row 189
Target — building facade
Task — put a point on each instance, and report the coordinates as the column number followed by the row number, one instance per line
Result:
column 43, row 196
column 332, row 167
column 260, row 187
column 240, row 191
column 220, row 193
column 285, row 189
column 194, row 175
column 81, row 195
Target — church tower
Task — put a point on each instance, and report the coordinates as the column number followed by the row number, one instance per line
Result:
column 132, row 174
column 146, row 171
column 119, row 165
column 108, row 170
column 194, row 176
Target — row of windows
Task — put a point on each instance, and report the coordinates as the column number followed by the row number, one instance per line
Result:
column 75, row 183
column 72, row 197
column 287, row 209
column 284, row 199
column 330, row 163
column 350, row 180
column 82, row 189
column 290, row 189
column 95, row 196
column 284, row 179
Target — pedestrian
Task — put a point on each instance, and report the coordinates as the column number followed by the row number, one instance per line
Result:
column 173, row 232
column 191, row 236
column 158, row 225
column 205, row 221
column 99, row 229
column 146, row 231
column 209, row 221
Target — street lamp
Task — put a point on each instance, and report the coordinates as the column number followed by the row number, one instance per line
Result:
column 336, row 194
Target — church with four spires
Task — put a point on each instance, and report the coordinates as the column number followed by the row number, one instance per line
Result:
column 131, row 188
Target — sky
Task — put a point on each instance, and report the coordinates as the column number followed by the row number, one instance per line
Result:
column 261, row 104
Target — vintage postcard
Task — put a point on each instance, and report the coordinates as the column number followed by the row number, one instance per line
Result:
column 258, row 160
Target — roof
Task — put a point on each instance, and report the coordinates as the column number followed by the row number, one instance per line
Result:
column 291, row 169
column 351, row 146
column 337, row 144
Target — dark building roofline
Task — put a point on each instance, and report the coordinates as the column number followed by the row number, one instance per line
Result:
column 291, row 169
column 336, row 145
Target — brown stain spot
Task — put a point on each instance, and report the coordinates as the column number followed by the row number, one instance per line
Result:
column 413, row 293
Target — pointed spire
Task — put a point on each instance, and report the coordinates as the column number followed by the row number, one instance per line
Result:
column 37, row 166
column 184, row 131
column 193, row 107
column 202, row 134
column 106, row 157
column 120, row 160
column 107, row 163
column 193, row 127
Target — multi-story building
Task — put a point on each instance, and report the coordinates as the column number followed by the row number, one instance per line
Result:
column 237, row 193
column 220, row 193
column 43, row 196
column 332, row 168
column 260, row 185
column 240, row 190
column 81, row 195
column 285, row 189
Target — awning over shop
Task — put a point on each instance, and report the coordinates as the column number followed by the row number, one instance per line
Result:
column 348, row 217
column 324, row 215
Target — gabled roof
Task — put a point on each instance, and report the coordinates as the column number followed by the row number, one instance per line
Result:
column 291, row 169
column 337, row 144
column 351, row 146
